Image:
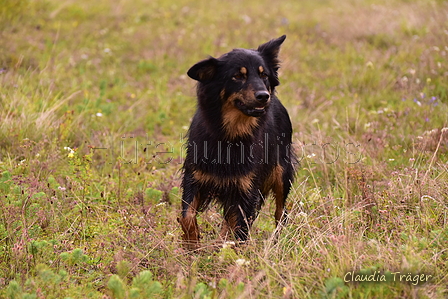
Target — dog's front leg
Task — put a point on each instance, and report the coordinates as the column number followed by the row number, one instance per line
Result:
column 190, row 205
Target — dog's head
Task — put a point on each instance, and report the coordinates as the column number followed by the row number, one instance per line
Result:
column 246, row 78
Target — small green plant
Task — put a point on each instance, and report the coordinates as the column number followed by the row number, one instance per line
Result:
column 153, row 195
column 45, row 283
column 202, row 291
column 334, row 288
column 143, row 286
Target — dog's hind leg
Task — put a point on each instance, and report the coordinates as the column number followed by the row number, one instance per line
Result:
column 280, row 187
column 281, row 214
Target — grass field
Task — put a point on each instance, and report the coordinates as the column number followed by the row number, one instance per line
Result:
column 94, row 108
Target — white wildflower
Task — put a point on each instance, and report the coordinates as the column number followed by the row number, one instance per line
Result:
column 228, row 244
column 242, row 262
column 71, row 152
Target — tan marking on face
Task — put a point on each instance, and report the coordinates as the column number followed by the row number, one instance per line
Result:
column 222, row 93
column 234, row 121
column 260, row 69
column 244, row 182
column 189, row 225
column 243, row 71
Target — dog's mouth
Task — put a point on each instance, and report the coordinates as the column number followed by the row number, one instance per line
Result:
column 255, row 111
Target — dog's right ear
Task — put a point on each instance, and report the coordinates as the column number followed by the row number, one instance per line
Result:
column 203, row 70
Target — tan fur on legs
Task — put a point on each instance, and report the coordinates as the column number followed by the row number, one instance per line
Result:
column 190, row 226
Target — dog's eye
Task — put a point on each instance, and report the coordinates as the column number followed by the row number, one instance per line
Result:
column 263, row 75
column 238, row 76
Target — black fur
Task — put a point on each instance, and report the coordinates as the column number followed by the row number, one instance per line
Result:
column 239, row 143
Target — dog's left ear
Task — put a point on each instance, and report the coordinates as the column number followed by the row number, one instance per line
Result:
column 269, row 51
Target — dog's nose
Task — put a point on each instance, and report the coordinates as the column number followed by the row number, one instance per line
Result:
column 262, row 96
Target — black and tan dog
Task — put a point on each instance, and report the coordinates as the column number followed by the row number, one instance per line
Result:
column 239, row 144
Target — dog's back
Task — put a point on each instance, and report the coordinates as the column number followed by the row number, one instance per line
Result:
column 239, row 146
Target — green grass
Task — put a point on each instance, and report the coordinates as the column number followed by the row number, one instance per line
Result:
column 365, row 83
